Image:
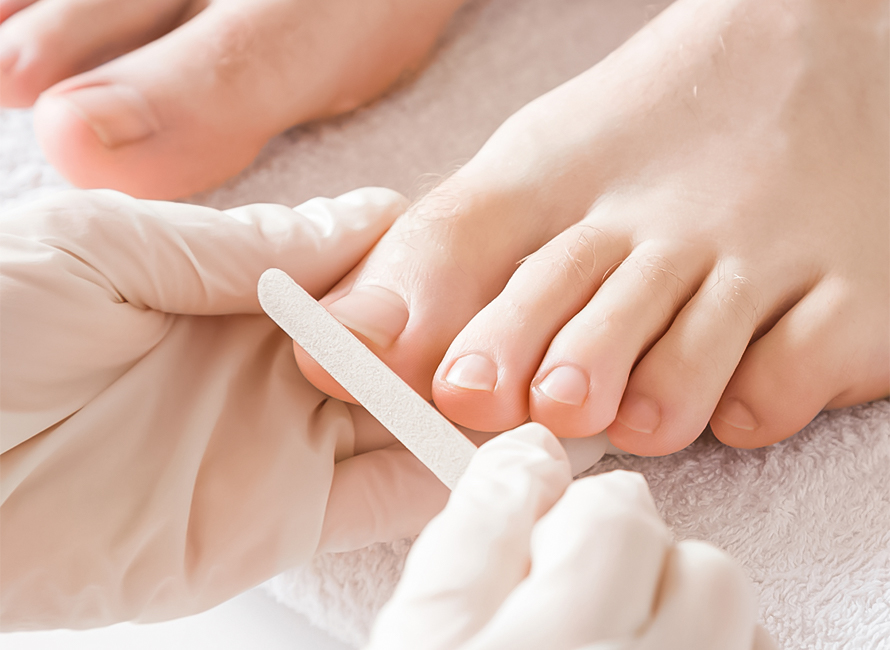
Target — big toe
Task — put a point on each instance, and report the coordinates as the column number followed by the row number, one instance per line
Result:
column 438, row 266
column 44, row 42
column 178, row 115
column 194, row 107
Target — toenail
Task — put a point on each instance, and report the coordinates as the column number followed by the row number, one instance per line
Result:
column 566, row 385
column 639, row 413
column 473, row 372
column 736, row 415
column 378, row 314
column 117, row 114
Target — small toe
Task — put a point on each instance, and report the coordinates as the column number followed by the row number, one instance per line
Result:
column 808, row 361
column 673, row 390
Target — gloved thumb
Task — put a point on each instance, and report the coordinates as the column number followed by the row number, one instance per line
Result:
column 379, row 496
column 188, row 259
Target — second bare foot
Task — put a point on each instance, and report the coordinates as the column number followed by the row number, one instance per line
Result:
column 198, row 86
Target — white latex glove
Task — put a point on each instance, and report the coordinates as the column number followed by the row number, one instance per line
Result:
column 524, row 558
column 160, row 450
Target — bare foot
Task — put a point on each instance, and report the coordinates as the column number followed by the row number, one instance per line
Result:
column 201, row 84
column 700, row 224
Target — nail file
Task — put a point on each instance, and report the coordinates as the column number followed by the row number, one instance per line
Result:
column 415, row 422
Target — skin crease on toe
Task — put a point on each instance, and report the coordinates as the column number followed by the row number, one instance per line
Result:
column 715, row 198
column 199, row 87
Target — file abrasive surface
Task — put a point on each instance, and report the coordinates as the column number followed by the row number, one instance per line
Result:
column 417, row 424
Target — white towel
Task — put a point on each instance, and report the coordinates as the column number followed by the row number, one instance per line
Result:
column 809, row 519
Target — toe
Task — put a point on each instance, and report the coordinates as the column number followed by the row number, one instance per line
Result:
column 169, row 118
column 809, row 360
column 483, row 381
column 439, row 264
column 599, row 346
column 47, row 41
column 194, row 107
column 672, row 392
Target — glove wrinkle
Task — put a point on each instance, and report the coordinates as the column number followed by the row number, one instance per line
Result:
column 163, row 454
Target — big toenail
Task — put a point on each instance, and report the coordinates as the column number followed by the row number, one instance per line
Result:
column 639, row 413
column 117, row 114
column 473, row 372
column 736, row 414
column 566, row 385
column 376, row 313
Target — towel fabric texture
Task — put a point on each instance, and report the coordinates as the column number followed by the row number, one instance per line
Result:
column 809, row 518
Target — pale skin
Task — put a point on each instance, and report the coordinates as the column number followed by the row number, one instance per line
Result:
column 695, row 230
column 701, row 227
column 199, row 86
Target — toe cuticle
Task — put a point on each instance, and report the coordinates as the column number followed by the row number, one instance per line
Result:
column 566, row 384
column 473, row 372
column 736, row 415
column 639, row 413
column 118, row 115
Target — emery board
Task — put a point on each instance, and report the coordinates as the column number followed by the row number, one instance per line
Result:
column 424, row 431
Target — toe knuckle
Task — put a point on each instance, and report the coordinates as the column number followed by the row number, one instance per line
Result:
column 738, row 296
column 660, row 275
column 574, row 255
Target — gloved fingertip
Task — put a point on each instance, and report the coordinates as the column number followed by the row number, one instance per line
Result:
column 702, row 583
column 379, row 196
column 534, row 436
column 632, row 484
column 584, row 453
column 529, row 452
column 626, row 481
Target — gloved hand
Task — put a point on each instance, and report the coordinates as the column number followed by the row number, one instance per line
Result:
column 160, row 450
column 524, row 558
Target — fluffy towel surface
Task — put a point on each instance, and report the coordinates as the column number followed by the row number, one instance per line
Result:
column 809, row 518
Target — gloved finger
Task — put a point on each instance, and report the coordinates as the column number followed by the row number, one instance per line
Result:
column 379, row 496
column 762, row 640
column 705, row 601
column 202, row 471
column 88, row 276
column 187, row 259
column 477, row 550
column 597, row 559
